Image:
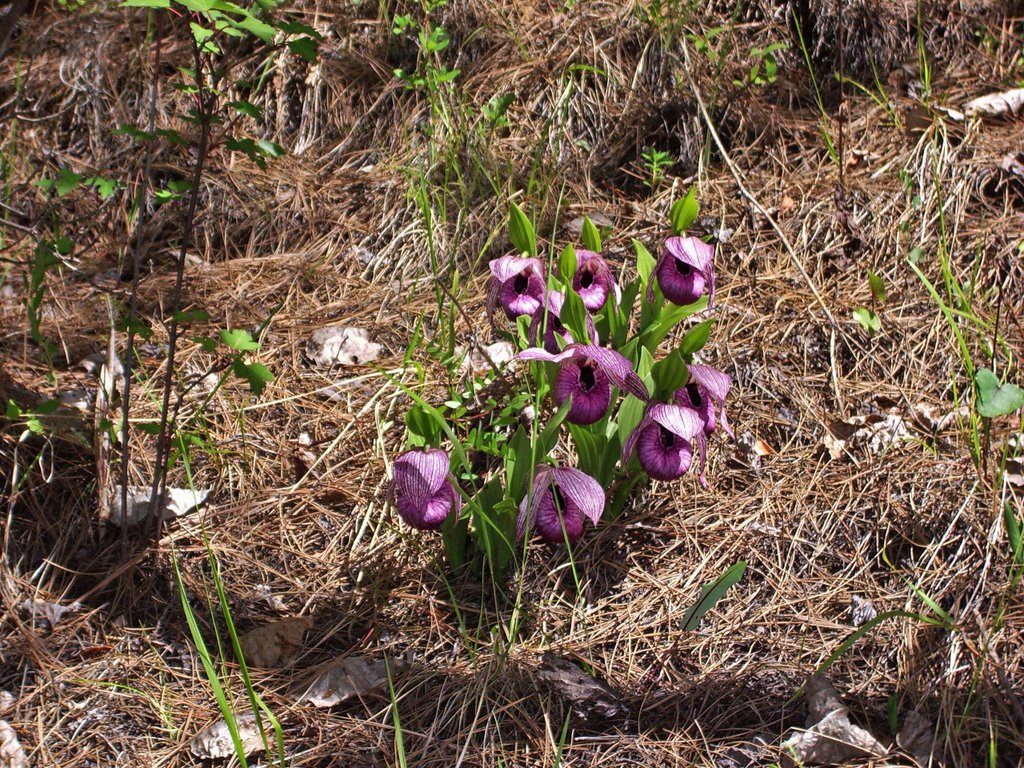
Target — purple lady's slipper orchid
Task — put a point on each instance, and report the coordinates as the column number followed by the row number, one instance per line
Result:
column 422, row 489
column 561, row 498
column 517, row 285
column 593, row 280
column 664, row 440
column 553, row 328
column 705, row 393
column 686, row 270
column 587, row 372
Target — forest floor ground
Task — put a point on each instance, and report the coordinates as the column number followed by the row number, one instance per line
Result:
column 861, row 472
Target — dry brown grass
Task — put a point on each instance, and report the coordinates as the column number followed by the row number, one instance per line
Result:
column 118, row 681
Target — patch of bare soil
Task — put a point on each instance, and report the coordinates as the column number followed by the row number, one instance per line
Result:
column 850, row 491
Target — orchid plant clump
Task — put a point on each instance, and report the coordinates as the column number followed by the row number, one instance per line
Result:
column 629, row 417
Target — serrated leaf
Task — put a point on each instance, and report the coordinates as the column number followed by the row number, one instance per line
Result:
column 591, row 236
column 684, row 213
column 710, row 594
column 995, row 399
column 520, row 231
column 238, row 339
column 247, row 108
column 67, row 181
column 190, row 316
column 257, row 374
column 306, row 47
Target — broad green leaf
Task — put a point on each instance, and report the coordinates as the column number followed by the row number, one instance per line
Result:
column 669, row 374
column 520, row 231
column 684, row 213
column 306, row 47
column 877, row 286
column 247, row 108
column 147, row 3
column 574, row 317
column 645, row 263
column 868, row 319
column 257, row 374
column 590, row 448
column 191, row 316
column 710, row 594
column 591, row 236
column 67, row 181
column 567, row 266
column 270, row 148
column 297, row 28
column 105, row 188
column 995, row 399
column 239, row 339
column 696, row 338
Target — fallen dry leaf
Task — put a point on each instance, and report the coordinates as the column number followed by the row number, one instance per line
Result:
column 830, row 739
column 180, row 501
column 916, row 737
column 786, row 206
column 215, row 742
column 587, row 695
column 51, row 613
column 275, row 644
column 346, row 677
column 500, row 353
column 1013, row 163
column 12, row 755
column 861, row 611
column 997, row 104
column 341, row 345
column 874, row 432
column 575, row 226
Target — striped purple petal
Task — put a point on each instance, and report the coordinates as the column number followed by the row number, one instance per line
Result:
column 562, row 497
column 705, row 392
column 593, row 279
column 517, row 286
column 424, row 495
column 686, row 271
column 664, row 440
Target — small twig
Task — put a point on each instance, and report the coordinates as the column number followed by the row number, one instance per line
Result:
column 133, row 312
column 158, row 489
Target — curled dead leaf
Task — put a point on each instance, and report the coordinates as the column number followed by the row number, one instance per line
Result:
column 916, row 737
column 861, row 611
column 830, row 739
column 214, row 741
column 275, row 644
